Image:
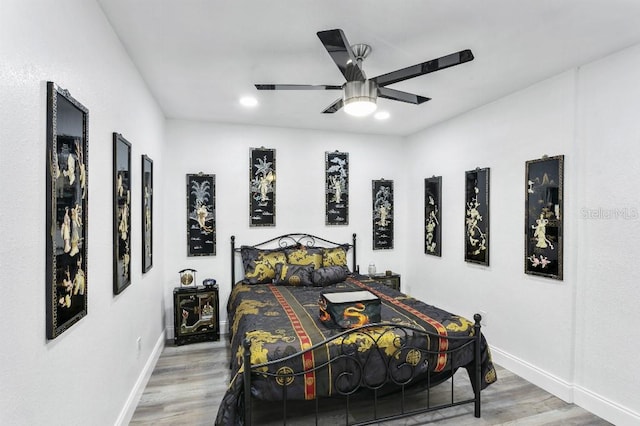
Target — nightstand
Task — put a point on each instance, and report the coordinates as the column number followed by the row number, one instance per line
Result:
column 392, row 280
column 195, row 314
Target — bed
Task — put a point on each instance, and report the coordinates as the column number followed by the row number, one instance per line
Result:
column 282, row 354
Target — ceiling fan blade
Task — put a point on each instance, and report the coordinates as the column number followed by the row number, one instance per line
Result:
column 424, row 68
column 297, row 87
column 397, row 95
column 338, row 47
column 333, row 107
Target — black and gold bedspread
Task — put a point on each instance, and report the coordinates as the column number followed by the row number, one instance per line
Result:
column 283, row 320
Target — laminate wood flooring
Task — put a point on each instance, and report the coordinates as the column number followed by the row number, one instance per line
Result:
column 189, row 382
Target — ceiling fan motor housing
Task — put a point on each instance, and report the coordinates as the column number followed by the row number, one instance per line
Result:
column 360, row 92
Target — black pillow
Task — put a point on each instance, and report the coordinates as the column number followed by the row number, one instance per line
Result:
column 259, row 265
column 330, row 275
column 295, row 275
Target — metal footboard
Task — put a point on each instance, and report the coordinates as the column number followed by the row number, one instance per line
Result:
column 367, row 377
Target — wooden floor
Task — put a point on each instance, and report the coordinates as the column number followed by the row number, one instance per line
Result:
column 189, row 382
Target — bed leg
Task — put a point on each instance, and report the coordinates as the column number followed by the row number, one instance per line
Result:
column 477, row 363
column 247, row 381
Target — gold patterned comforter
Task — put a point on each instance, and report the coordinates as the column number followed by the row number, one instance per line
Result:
column 283, row 320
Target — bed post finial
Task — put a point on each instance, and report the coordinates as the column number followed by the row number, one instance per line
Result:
column 477, row 318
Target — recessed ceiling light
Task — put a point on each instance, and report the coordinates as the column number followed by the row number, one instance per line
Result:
column 248, row 101
column 381, row 115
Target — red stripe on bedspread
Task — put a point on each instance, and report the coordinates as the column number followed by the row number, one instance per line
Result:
column 305, row 343
column 442, row 331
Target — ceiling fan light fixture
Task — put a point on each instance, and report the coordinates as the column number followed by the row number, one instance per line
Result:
column 359, row 108
column 360, row 98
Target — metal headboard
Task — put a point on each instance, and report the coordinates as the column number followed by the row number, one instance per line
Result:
column 292, row 240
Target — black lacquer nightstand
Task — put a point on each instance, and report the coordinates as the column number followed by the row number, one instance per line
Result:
column 196, row 314
column 392, row 280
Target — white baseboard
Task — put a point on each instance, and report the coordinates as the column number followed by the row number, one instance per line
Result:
column 602, row 407
column 552, row 384
column 134, row 396
column 569, row 392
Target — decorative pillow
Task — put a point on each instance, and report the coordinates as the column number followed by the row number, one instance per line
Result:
column 259, row 265
column 336, row 256
column 303, row 255
column 296, row 275
column 329, row 275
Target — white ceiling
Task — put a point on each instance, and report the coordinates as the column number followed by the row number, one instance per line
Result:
column 200, row 56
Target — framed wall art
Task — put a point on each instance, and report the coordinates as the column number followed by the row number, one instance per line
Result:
column 477, row 216
column 67, row 210
column 382, row 194
column 262, row 187
column 544, row 217
column 121, row 213
column 432, row 215
column 201, row 215
column 147, row 213
column 337, row 188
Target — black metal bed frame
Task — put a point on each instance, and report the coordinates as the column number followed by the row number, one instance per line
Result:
column 397, row 370
column 351, row 382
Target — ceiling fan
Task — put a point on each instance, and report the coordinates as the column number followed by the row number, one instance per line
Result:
column 359, row 93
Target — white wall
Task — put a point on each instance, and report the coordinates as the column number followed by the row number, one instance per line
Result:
column 607, row 374
column 501, row 136
column 86, row 375
column 571, row 337
column 223, row 150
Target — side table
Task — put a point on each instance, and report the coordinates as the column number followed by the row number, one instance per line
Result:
column 196, row 314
